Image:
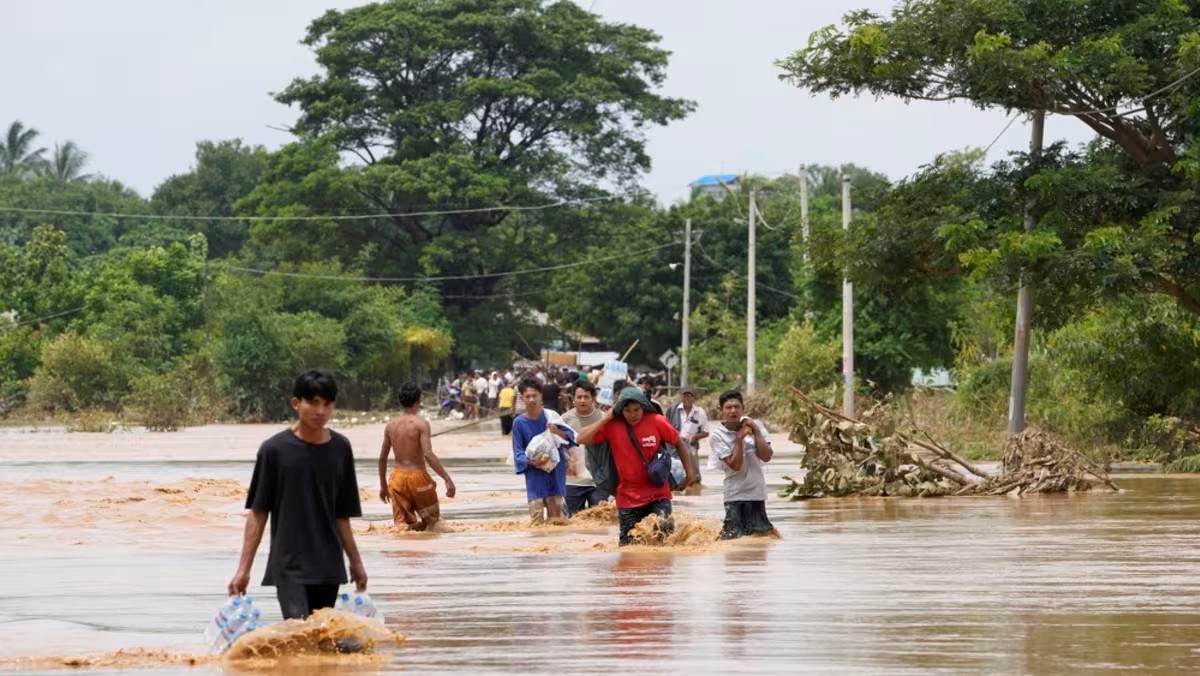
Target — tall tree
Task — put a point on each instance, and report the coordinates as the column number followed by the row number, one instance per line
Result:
column 225, row 171
column 17, row 152
column 66, row 163
column 1126, row 210
column 468, row 104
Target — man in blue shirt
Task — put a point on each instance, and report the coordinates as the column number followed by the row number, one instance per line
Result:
column 544, row 490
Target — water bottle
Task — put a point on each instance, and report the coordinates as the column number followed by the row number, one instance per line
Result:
column 364, row 606
column 236, row 617
column 360, row 604
column 221, row 618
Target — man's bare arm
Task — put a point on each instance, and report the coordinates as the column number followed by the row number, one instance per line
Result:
column 256, row 525
column 588, row 434
column 358, row 574
column 685, row 458
column 383, row 459
column 735, row 459
column 432, row 459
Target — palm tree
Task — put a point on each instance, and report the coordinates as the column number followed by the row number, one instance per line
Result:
column 17, row 155
column 66, row 164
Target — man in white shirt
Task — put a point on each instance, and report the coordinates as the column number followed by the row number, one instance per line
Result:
column 691, row 422
column 740, row 445
column 493, row 389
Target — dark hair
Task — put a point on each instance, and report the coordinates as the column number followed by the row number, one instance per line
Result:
column 528, row 383
column 586, row 387
column 620, row 385
column 315, row 383
column 730, row 394
column 410, row 393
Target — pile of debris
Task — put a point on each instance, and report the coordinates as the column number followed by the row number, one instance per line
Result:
column 882, row 455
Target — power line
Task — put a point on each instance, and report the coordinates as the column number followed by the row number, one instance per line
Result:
column 39, row 320
column 742, row 276
column 443, row 278
column 1002, row 132
column 347, row 217
column 1144, row 99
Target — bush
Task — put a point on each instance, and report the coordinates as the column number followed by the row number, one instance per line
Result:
column 259, row 355
column 805, row 361
column 164, row 402
column 76, row 372
column 91, row 420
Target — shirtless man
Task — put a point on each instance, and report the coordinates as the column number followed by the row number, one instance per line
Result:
column 411, row 491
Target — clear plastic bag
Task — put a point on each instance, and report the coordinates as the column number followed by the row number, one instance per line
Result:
column 542, row 452
column 359, row 603
column 677, row 472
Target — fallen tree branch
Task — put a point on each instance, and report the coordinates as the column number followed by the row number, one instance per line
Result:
column 875, row 456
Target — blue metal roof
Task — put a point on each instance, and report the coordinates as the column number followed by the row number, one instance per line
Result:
column 715, row 179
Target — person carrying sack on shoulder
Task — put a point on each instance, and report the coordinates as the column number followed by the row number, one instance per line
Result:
column 634, row 433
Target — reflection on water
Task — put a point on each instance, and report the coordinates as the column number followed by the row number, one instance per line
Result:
column 1049, row 584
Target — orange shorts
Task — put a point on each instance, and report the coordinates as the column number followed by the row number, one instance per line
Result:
column 413, row 492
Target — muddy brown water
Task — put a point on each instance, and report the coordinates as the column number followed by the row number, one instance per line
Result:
column 126, row 541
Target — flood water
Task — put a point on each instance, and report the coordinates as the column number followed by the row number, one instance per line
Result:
column 127, row 540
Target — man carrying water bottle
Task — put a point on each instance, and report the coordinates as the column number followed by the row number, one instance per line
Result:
column 304, row 482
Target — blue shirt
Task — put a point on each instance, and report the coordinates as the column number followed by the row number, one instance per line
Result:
column 538, row 483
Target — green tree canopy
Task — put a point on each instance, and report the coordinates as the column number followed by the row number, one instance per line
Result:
column 1124, row 210
column 225, row 171
column 18, row 156
column 468, row 104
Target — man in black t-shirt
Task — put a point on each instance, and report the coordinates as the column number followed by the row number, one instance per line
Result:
column 304, row 481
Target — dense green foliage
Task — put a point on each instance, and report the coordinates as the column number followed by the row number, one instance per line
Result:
column 1113, row 257
column 521, row 126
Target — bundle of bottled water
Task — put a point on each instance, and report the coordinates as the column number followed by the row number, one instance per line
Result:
column 359, row 603
column 237, row 616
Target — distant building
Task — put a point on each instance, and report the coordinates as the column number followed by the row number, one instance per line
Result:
column 716, row 186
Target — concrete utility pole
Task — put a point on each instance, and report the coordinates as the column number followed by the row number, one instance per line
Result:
column 804, row 212
column 1020, row 362
column 751, row 300
column 687, row 301
column 847, row 315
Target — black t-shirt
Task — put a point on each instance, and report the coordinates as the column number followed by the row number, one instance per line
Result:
column 306, row 488
column 550, row 392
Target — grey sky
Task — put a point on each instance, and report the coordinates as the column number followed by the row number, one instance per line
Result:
column 137, row 82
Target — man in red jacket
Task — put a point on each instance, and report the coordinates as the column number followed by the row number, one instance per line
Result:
column 632, row 420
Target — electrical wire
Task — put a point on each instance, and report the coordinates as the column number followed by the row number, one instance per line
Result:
column 757, row 283
column 1002, row 132
column 443, row 278
column 39, row 320
column 346, row 217
column 1141, row 102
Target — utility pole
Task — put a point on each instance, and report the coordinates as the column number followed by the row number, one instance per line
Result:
column 751, row 300
column 1020, row 362
column 687, row 300
column 804, row 212
column 847, row 315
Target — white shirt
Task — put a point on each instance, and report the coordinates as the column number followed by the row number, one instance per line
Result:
column 692, row 422
column 749, row 482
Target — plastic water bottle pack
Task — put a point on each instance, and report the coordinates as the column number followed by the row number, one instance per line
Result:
column 235, row 617
column 359, row 603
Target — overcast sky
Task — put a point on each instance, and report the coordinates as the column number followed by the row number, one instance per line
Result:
column 137, row 82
